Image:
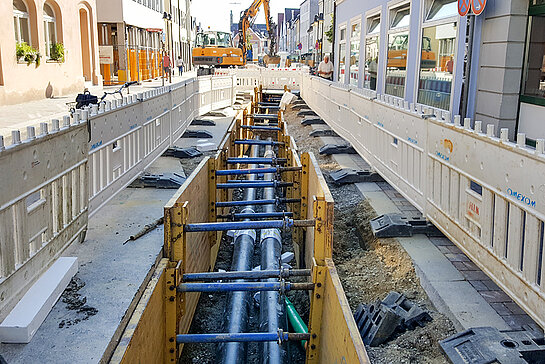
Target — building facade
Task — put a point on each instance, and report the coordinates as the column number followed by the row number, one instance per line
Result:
column 132, row 39
column 48, row 48
column 489, row 67
column 309, row 9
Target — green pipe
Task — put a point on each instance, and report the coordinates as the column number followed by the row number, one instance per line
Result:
column 296, row 321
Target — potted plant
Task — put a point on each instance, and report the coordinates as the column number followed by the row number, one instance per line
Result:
column 57, row 52
column 25, row 53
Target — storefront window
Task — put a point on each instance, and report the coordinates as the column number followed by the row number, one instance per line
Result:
column 342, row 56
column 437, row 65
column 355, row 53
column 398, row 44
column 371, row 52
column 533, row 86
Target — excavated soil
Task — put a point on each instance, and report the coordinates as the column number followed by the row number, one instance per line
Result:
column 369, row 268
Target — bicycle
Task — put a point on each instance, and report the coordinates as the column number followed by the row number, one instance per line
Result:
column 86, row 99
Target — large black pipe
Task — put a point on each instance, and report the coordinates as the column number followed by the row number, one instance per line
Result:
column 271, row 308
column 238, row 305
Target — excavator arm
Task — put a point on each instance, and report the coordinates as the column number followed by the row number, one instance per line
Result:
column 246, row 19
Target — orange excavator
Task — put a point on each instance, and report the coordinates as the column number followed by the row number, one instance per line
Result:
column 247, row 18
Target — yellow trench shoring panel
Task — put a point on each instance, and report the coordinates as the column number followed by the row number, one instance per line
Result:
column 161, row 314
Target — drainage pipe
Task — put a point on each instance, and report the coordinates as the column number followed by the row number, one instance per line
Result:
column 271, row 308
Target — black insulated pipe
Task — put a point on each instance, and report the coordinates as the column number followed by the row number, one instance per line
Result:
column 271, row 308
column 238, row 304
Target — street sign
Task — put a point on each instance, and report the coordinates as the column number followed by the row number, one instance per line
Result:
column 463, row 7
column 106, row 54
column 478, row 6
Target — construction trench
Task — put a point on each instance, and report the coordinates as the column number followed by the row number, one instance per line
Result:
column 226, row 290
column 242, row 209
column 267, row 259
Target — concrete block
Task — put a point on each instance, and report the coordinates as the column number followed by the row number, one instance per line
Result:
column 448, row 290
column 381, row 203
column 26, row 317
column 499, row 80
column 466, row 307
column 364, row 187
column 505, row 28
column 501, row 106
column 430, row 260
column 504, row 8
column 503, row 54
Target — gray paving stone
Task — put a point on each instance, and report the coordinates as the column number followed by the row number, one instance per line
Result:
column 491, row 285
column 457, row 257
column 479, row 285
column 474, row 275
column 495, row 296
column 514, row 308
column 500, row 309
column 368, row 187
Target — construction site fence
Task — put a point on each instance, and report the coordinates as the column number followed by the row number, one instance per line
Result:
column 269, row 78
column 59, row 173
column 484, row 192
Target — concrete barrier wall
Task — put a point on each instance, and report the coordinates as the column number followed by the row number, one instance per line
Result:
column 484, row 192
column 54, row 180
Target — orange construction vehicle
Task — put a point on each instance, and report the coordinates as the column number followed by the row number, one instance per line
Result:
column 215, row 49
column 247, row 18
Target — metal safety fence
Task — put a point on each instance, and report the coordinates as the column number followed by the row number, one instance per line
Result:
column 54, row 179
column 485, row 193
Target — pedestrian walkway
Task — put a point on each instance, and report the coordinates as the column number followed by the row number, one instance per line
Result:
column 32, row 113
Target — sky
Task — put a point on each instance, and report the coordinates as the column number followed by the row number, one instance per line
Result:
column 215, row 13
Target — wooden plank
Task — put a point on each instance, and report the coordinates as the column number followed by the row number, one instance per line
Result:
column 340, row 340
column 143, row 340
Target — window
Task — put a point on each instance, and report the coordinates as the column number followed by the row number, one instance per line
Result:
column 21, row 22
column 355, row 33
column 342, row 56
column 371, row 52
column 398, row 44
column 50, row 31
column 438, row 54
column 533, row 85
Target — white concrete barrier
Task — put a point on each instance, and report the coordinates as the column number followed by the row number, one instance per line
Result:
column 484, row 192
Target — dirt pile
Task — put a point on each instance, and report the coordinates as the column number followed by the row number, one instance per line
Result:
column 369, row 268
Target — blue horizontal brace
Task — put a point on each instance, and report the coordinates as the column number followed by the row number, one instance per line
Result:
column 245, row 203
column 238, row 172
column 233, row 286
column 224, row 338
column 252, row 274
column 257, row 142
column 279, row 337
column 258, row 215
column 264, row 116
column 257, row 202
column 252, row 184
column 238, row 225
column 259, row 127
column 221, row 287
column 256, row 160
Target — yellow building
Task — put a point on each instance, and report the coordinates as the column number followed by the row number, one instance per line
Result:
column 47, row 48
